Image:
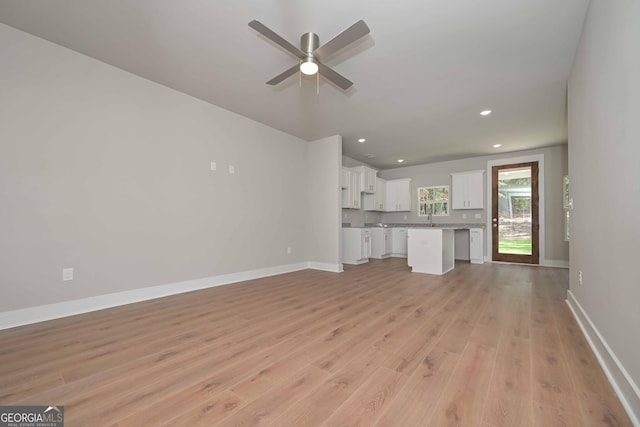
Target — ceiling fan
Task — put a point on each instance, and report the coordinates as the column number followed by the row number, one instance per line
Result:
column 310, row 54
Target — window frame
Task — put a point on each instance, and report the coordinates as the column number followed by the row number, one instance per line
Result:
column 431, row 202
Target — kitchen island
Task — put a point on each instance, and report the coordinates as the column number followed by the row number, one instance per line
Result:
column 431, row 250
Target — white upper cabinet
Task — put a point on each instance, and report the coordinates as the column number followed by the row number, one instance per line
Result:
column 466, row 190
column 398, row 197
column 351, row 193
column 344, row 181
column 377, row 201
column 367, row 179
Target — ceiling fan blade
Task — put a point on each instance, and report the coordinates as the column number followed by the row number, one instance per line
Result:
column 262, row 29
column 348, row 36
column 335, row 78
column 280, row 77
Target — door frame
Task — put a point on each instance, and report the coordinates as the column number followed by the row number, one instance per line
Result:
column 489, row 192
column 534, row 258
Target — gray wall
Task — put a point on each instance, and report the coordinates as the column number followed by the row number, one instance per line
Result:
column 604, row 160
column 108, row 173
column 555, row 164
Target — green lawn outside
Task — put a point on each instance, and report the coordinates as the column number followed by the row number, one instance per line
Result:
column 515, row 246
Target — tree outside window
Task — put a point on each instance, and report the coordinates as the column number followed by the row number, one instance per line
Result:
column 433, row 200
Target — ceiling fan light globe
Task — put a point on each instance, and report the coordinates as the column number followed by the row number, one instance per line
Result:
column 309, row 67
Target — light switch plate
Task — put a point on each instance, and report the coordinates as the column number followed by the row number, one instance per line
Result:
column 67, row 274
column 232, row 169
column 478, row 216
column 214, row 166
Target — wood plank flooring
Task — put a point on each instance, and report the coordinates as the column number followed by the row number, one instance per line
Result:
column 486, row 345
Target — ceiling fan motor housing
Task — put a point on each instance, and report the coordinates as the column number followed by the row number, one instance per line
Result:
column 309, row 42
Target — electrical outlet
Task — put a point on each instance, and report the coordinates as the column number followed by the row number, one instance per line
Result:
column 405, row 217
column 289, row 249
column 67, row 274
column 580, row 277
column 464, row 216
column 478, row 216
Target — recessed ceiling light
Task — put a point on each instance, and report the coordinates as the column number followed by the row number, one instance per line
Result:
column 497, row 145
column 361, row 140
column 400, row 160
column 369, row 156
column 485, row 112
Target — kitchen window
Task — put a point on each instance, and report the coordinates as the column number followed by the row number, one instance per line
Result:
column 433, row 200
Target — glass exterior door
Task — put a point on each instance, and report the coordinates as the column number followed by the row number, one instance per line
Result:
column 515, row 213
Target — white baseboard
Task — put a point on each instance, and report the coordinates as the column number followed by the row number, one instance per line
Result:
column 334, row 268
column 624, row 386
column 554, row 263
column 544, row 263
column 26, row 316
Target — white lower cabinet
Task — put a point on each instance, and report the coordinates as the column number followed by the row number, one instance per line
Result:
column 431, row 250
column 399, row 242
column 476, row 246
column 356, row 245
column 381, row 243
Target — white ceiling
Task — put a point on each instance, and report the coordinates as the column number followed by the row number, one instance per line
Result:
column 421, row 77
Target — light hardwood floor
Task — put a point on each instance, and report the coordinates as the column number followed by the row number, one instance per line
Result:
column 485, row 345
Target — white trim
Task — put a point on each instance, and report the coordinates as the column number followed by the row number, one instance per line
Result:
column 546, row 263
column 467, row 172
column 26, row 316
column 334, row 268
column 555, row 263
column 507, row 161
column 624, row 386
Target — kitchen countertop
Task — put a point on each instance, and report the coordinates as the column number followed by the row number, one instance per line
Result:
column 453, row 226
column 458, row 226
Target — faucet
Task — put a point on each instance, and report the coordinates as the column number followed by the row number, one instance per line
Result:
column 430, row 216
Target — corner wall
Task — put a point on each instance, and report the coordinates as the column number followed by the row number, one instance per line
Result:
column 324, row 171
column 604, row 153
